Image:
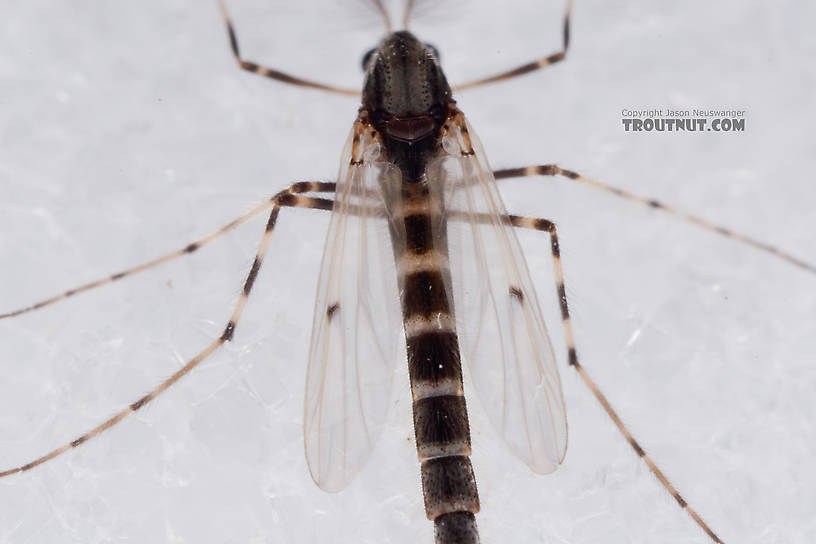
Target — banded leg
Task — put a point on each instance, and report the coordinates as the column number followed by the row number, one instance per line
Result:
column 549, row 227
column 555, row 170
column 272, row 73
column 530, row 66
column 294, row 189
column 286, row 198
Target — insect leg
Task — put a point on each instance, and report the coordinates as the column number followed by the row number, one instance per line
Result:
column 272, row 73
column 549, row 227
column 531, row 66
column 555, row 170
column 286, row 198
column 297, row 188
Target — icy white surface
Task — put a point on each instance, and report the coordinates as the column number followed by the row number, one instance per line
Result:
column 126, row 130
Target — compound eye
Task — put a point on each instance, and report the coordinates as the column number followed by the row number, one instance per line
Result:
column 434, row 50
column 367, row 58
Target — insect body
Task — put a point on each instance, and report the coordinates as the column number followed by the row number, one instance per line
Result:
column 414, row 167
column 419, row 239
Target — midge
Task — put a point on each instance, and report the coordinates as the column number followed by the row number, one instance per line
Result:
column 419, row 238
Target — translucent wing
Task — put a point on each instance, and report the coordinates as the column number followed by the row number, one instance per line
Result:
column 501, row 329
column 355, row 335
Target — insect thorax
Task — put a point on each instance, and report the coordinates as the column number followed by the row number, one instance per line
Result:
column 406, row 97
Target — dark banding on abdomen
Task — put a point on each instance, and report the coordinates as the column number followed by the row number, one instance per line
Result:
column 435, row 368
column 407, row 101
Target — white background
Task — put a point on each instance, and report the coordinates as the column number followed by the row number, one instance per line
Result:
column 126, row 130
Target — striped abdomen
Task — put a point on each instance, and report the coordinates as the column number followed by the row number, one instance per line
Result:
column 435, row 368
